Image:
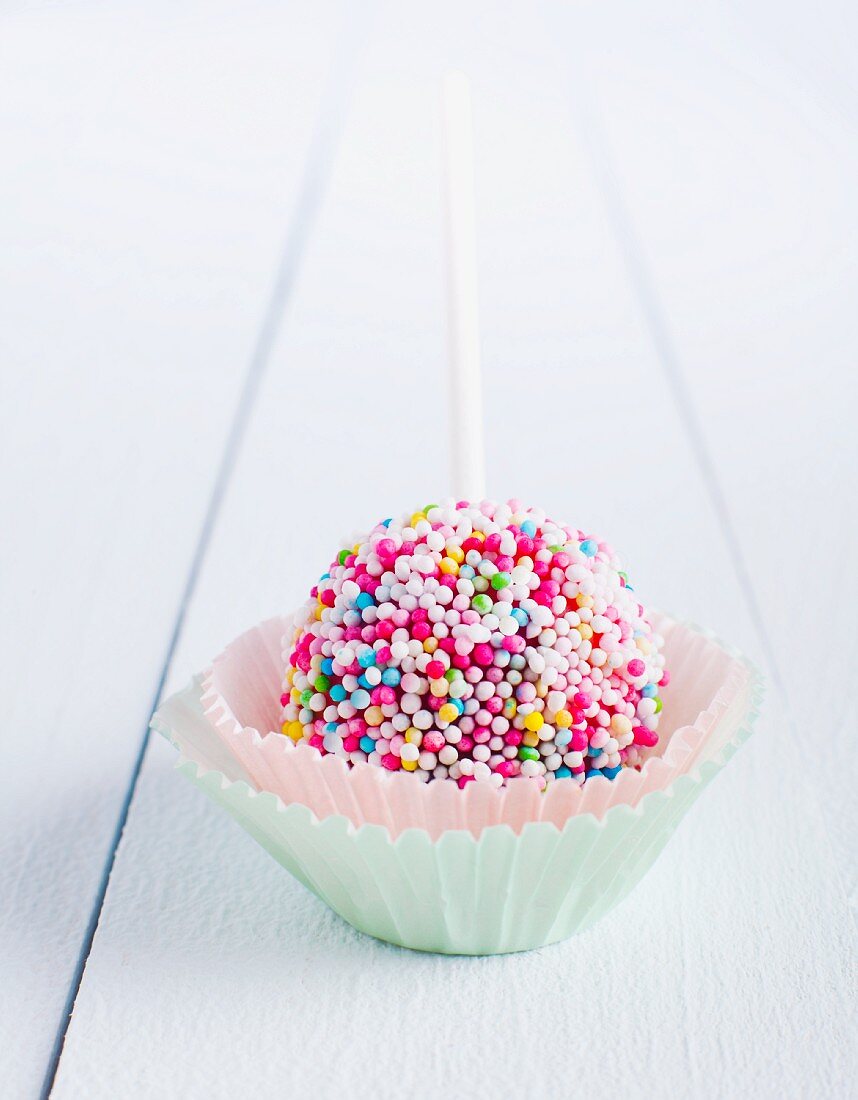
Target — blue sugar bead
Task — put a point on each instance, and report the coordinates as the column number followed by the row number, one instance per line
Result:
column 391, row 677
column 563, row 772
column 338, row 693
column 650, row 691
column 359, row 699
column 589, row 547
column 328, row 666
column 367, row 744
column 364, row 600
column 366, row 657
column 611, row 773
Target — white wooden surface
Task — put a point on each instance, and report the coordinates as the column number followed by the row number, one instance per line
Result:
column 667, row 238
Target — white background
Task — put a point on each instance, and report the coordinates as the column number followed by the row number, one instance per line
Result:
column 222, row 346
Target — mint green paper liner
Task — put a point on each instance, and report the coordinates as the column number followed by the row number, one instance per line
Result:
column 495, row 893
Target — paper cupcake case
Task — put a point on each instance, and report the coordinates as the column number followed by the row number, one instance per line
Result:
column 435, row 868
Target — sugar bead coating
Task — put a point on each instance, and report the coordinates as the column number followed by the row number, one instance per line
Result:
column 476, row 643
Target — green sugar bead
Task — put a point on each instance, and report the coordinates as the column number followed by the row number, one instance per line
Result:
column 482, row 604
column 500, row 580
column 306, row 696
column 341, row 557
column 321, row 683
column 658, row 705
column 527, row 753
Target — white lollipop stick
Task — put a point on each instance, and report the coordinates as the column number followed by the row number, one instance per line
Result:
column 467, row 452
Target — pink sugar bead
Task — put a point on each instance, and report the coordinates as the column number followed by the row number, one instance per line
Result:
column 492, row 543
column 636, row 668
column 665, row 679
column 387, row 695
column 507, row 768
column 433, row 742
column 562, row 560
column 482, row 734
column 524, row 545
column 579, row 741
column 464, row 780
column 400, row 617
column 494, row 675
column 447, row 579
column 646, row 737
column 461, row 661
column 514, row 644
column 391, row 762
column 316, row 740
column 513, row 737
column 582, row 700
column 465, row 745
column 284, row 698
column 470, row 618
column 483, row 654
column 505, row 563
column 385, row 548
column 384, row 629
column 448, row 645
column 357, row 726
column 351, row 743
column 421, row 631
column 494, row 705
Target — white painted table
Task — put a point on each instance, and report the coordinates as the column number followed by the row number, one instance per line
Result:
column 221, row 246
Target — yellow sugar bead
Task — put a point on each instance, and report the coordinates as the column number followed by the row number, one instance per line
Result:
column 295, row 730
column 563, row 719
column 509, row 708
column 289, row 677
column 373, row 716
column 534, row 721
column 541, row 689
column 409, row 765
column 479, row 535
column 530, row 739
column 318, row 615
column 285, row 727
column 585, row 630
column 448, row 565
column 294, row 696
column 456, row 553
column 621, row 724
column 448, row 713
column 430, row 645
column 644, row 646
column 413, row 736
column 415, row 519
column 439, row 687
column 584, row 601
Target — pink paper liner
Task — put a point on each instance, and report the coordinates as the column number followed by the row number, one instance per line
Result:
column 708, row 698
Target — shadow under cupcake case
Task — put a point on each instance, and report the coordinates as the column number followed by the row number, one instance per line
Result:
column 328, row 780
